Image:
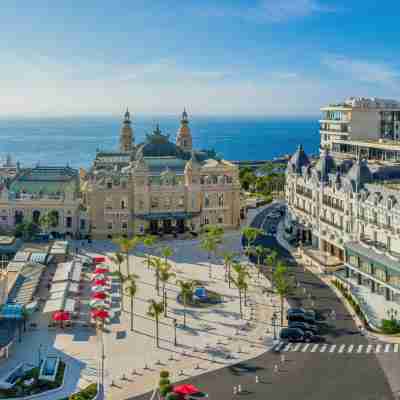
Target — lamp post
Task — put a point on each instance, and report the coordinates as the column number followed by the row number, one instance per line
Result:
column 175, row 325
column 273, row 319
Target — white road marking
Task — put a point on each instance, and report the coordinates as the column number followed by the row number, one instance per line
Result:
column 314, row 348
column 350, row 349
column 378, row 348
column 369, row 348
column 305, row 347
column 332, row 349
column 341, row 348
column 396, row 348
column 278, row 346
column 323, row 348
column 296, row 348
column 387, row 347
column 287, row 347
column 360, row 347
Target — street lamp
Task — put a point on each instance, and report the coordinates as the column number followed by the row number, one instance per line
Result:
column 273, row 319
column 175, row 325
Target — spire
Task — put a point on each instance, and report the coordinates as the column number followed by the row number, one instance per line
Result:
column 184, row 136
column 185, row 119
column 127, row 117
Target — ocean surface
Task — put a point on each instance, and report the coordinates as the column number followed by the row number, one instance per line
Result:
column 74, row 140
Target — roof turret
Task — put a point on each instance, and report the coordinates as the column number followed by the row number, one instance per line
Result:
column 298, row 160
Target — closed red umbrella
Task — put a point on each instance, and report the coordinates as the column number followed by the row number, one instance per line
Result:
column 99, row 259
column 186, row 389
column 100, row 314
column 101, row 270
column 100, row 282
column 99, row 296
column 61, row 316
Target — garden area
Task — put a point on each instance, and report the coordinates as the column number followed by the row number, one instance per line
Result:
column 88, row 393
column 29, row 383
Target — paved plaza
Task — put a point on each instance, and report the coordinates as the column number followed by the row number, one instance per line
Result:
column 214, row 337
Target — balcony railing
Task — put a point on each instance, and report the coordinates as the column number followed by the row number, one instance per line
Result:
column 327, row 221
column 333, row 205
column 301, row 209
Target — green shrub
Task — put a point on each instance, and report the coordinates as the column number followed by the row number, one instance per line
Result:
column 164, row 381
column 165, row 389
column 164, row 374
column 86, row 394
column 390, row 326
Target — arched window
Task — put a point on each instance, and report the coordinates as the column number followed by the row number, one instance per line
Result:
column 19, row 217
column 36, row 216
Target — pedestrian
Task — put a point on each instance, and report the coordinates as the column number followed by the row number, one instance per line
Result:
column 282, row 358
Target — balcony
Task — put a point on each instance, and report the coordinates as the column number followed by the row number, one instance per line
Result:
column 302, row 209
column 330, row 223
column 333, row 205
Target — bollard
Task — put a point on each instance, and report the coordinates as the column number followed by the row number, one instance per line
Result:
column 239, row 388
column 276, row 368
column 234, row 390
column 257, row 379
column 180, row 372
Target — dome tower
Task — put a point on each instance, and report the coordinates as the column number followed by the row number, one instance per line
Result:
column 126, row 138
column 184, row 137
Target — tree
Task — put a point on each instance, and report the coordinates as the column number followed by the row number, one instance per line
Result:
column 157, row 263
column 45, row 223
column 26, row 230
column 118, row 258
column 211, row 239
column 260, row 252
column 187, row 289
column 125, row 246
column 165, row 275
column 122, row 279
column 250, row 234
column 228, row 260
column 149, row 241
column 131, row 291
column 240, row 281
column 271, row 260
column 282, row 284
column 166, row 252
column 155, row 311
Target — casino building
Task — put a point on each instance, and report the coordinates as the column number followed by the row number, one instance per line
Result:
column 159, row 186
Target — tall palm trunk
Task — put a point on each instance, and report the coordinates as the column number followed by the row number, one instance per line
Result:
column 131, row 313
column 209, row 266
column 165, row 300
column 240, row 303
column 157, row 341
column 281, row 311
column 158, row 282
column 245, row 297
column 128, row 272
column 184, row 311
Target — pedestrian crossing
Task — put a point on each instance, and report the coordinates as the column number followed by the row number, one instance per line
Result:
column 337, row 348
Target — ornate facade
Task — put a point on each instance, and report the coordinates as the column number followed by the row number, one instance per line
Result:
column 160, row 187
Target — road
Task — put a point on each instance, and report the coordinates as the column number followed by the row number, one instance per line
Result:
column 346, row 366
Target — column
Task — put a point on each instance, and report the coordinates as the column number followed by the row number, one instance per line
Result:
column 347, row 272
column 359, row 279
column 373, row 286
column 388, row 296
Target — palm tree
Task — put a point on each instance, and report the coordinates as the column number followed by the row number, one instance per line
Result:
column 251, row 234
column 166, row 252
column 155, row 311
column 240, row 282
column 149, row 241
column 45, row 223
column 118, row 259
column 228, row 260
column 131, row 291
column 260, row 252
column 165, row 275
column 282, row 284
column 126, row 245
column 271, row 260
column 187, row 289
column 122, row 279
column 210, row 241
column 157, row 263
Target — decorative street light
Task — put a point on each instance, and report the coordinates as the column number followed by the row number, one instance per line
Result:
column 274, row 319
column 175, row 325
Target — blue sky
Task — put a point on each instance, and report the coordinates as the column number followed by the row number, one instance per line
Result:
column 266, row 57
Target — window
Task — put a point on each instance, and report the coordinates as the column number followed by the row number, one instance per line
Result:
column 388, row 242
column 109, row 225
column 206, row 200
column 220, row 219
column 206, row 220
column 124, row 225
column 181, row 201
column 69, row 222
column 82, row 224
column 154, row 202
column 4, row 218
column 141, row 204
column 123, row 184
column 109, row 185
column 220, row 200
column 123, row 204
column 167, row 202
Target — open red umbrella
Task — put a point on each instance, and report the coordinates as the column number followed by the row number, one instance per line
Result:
column 61, row 316
column 186, row 389
column 99, row 296
column 100, row 282
column 99, row 313
column 99, row 259
column 101, row 270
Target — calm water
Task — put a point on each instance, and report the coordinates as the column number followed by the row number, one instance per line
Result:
column 58, row 141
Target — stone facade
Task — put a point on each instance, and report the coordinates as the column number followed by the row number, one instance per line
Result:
column 160, row 187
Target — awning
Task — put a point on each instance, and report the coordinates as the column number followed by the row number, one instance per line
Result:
column 69, row 305
column 39, row 258
column 171, row 215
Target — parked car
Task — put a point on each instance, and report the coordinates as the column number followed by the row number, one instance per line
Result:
column 292, row 335
column 295, row 311
column 301, row 317
column 304, row 326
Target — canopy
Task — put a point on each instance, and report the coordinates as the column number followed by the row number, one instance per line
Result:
column 97, row 289
column 99, row 259
column 100, row 282
column 99, row 296
column 97, row 303
column 69, row 305
column 101, row 314
column 98, row 276
column 186, row 389
column 61, row 316
column 101, row 270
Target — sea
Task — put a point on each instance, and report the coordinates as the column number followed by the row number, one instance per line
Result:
column 74, row 141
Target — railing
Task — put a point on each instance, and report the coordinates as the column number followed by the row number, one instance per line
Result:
column 326, row 221
column 301, row 209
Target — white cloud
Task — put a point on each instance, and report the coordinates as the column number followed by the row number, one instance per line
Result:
column 362, row 70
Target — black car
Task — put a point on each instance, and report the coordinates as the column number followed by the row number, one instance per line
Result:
column 292, row 335
column 295, row 311
column 304, row 326
column 301, row 317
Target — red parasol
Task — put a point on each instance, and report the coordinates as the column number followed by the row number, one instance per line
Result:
column 99, row 296
column 101, row 270
column 99, row 259
column 61, row 316
column 100, row 282
column 186, row 389
column 99, row 313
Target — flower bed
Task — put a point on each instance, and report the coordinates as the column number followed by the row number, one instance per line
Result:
column 211, row 299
